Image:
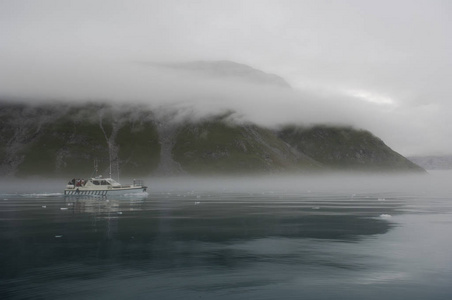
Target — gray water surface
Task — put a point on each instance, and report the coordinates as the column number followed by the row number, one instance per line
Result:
column 253, row 240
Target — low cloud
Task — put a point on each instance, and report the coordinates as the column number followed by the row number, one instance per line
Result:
column 197, row 95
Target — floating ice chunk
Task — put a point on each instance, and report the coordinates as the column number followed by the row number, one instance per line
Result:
column 197, row 203
column 44, row 206
column 381, row 199
column 315, row 207
column 385, row 216
column 58, row 236
column 63, row 208
column 119, row 212
column 42, row 195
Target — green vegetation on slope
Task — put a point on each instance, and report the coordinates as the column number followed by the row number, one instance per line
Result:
column 139, row 148
column 345, row 148
column 216, row 146
column 67, row 146
column 65, row 140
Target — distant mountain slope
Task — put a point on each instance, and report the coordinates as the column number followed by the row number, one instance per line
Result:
column 64, row 140
column 433, row 162
column 344, row 147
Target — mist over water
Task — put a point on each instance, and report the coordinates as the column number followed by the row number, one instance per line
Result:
column 342, row 236
column 334, row 182
column 434, row 181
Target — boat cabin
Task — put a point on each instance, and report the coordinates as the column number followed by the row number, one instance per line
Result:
column 99, row 181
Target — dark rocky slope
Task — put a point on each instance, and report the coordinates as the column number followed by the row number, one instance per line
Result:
column 64, row 140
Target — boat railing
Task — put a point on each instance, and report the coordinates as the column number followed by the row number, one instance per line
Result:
column 122, row 186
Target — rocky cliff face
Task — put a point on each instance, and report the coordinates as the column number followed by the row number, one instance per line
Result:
column 217, row 146
column 64, row 140
column 345, row 147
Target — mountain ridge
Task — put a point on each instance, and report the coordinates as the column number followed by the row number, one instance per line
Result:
column 49, row 140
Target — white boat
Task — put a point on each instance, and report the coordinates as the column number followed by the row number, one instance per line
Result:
column 99, row 186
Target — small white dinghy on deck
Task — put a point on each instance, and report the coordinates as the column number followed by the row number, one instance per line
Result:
column 99, row 186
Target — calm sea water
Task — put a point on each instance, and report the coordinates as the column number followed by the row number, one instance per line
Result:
column 341, row 237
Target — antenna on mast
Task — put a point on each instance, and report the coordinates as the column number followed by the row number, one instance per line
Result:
column 96, row 167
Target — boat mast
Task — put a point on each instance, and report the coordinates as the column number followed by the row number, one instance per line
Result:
column 96, row 166
column 110, row 167
column 117, row 169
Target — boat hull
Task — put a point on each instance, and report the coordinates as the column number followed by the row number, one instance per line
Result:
column 103, row 192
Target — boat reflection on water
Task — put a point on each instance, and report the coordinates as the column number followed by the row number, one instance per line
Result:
column 105, row 205
column 103, row 214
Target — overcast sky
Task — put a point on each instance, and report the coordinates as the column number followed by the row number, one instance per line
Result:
column 385, row 66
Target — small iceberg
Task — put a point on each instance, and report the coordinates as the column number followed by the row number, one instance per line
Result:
column 385, row 216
